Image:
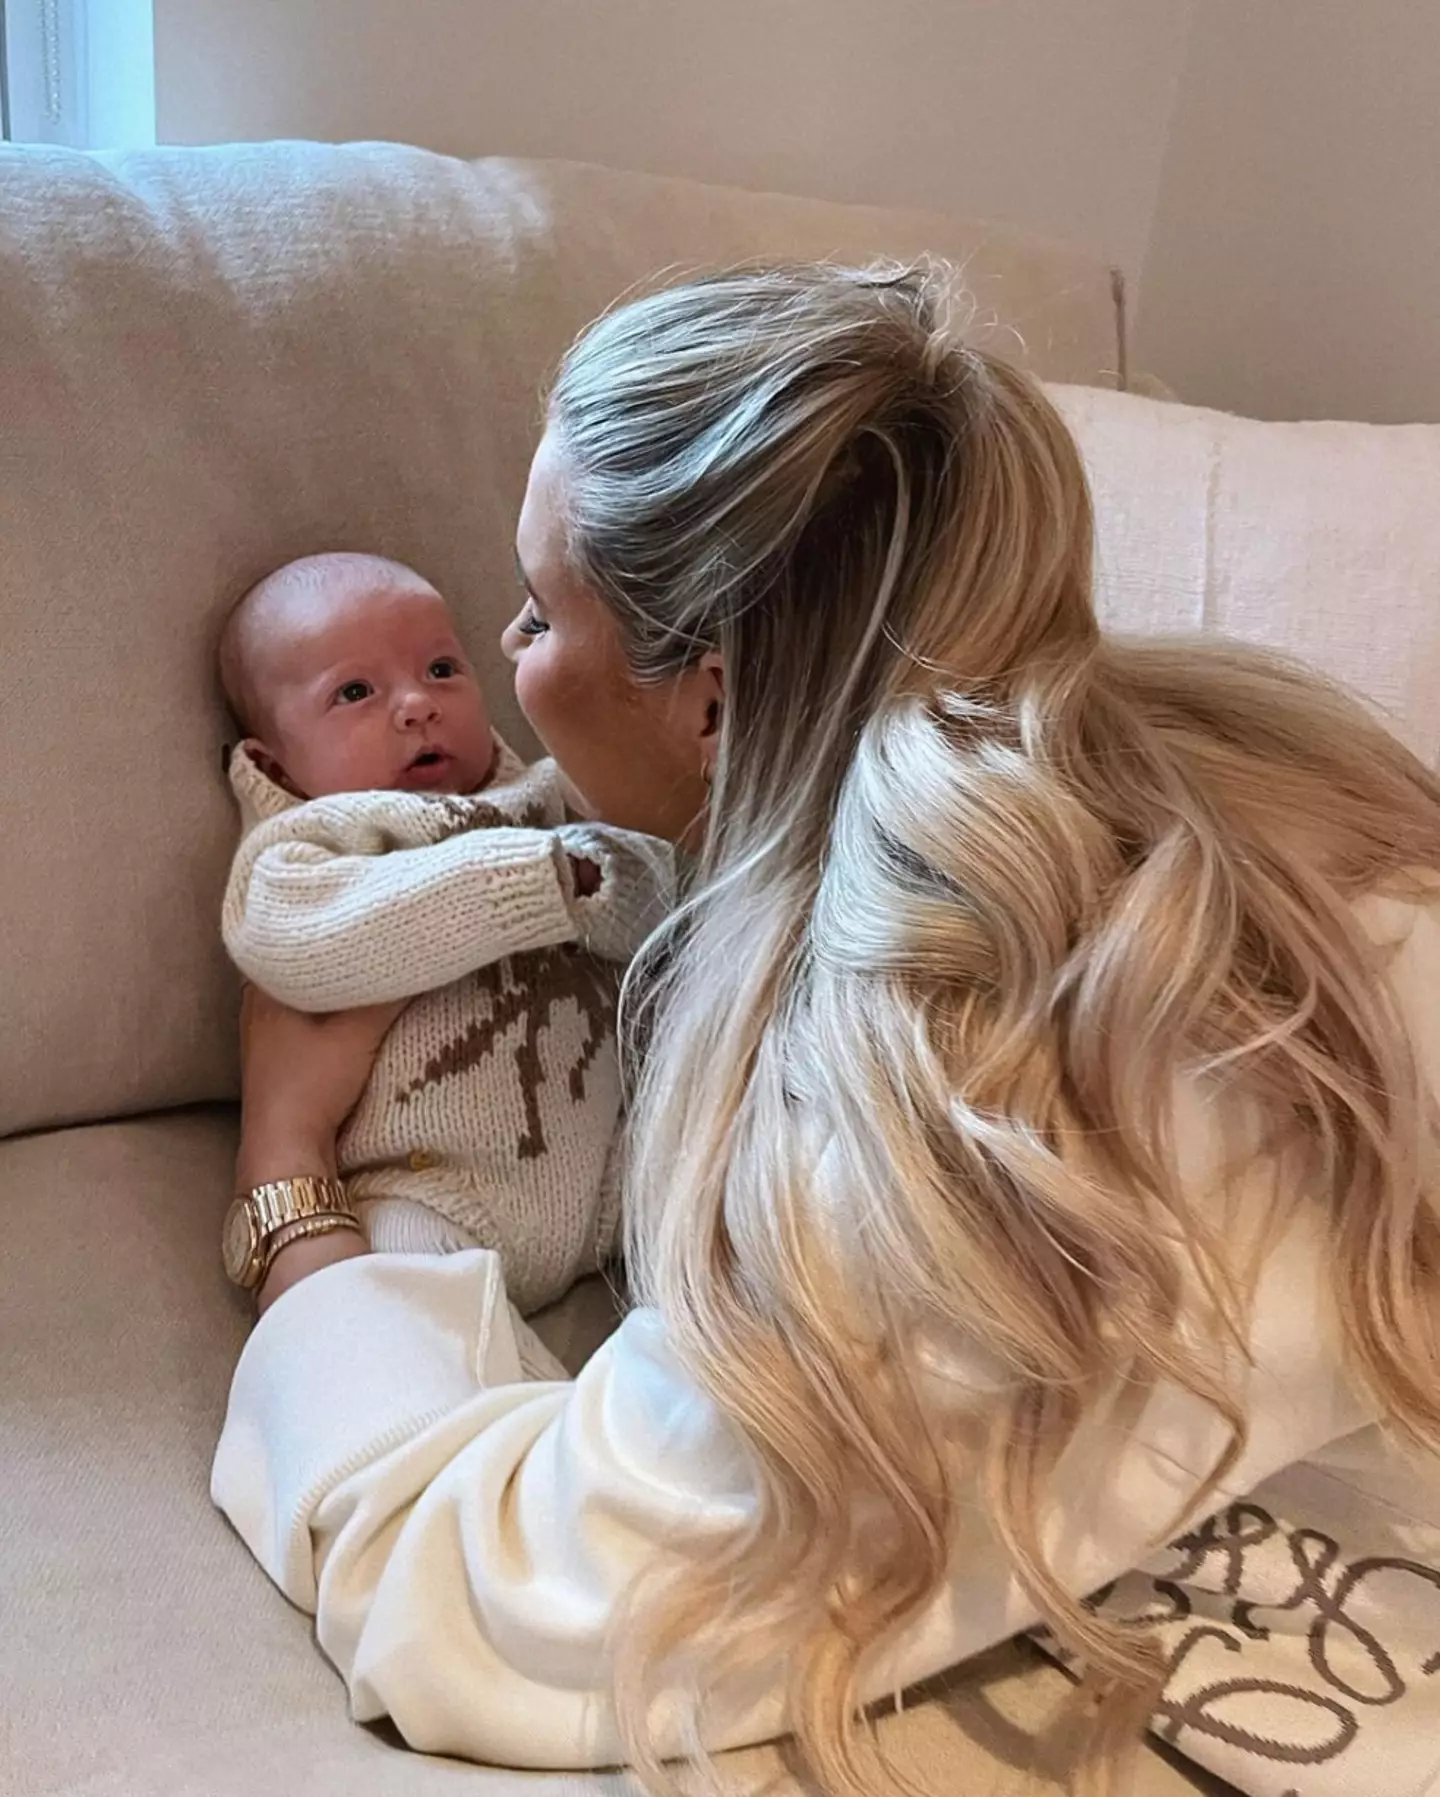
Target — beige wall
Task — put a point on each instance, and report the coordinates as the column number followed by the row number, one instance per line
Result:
column 1294, row 267
column 1045, row 113
column 1269, row 168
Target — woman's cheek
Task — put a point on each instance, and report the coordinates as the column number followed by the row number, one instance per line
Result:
column 551, row 698
column 530, row 688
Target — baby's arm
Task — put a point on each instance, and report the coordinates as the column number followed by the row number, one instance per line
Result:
column 352, row 900
column 343, row 901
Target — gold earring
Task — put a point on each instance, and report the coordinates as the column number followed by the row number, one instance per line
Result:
column 707, row 771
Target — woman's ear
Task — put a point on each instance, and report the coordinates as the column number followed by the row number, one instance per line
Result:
column 711, row 673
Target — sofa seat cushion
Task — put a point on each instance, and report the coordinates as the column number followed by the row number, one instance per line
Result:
column 144, row 1654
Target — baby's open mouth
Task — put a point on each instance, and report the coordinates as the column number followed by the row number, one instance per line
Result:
column 429, row 768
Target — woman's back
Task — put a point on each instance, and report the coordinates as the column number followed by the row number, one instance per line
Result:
column 1296, row 1617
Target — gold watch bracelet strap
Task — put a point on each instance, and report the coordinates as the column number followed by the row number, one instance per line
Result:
column 282, row 1201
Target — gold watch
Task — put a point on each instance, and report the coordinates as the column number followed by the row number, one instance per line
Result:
column 261, row 1222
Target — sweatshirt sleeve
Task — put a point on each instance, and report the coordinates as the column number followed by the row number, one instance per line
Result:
column 466, row 1540
column 343, row 902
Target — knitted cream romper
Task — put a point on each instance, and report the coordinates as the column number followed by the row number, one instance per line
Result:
column 490, row 1119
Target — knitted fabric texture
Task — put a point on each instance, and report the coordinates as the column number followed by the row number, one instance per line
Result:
column 491, row 1117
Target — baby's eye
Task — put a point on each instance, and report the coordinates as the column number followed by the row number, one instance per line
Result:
column 353, row 692
column 444, row 667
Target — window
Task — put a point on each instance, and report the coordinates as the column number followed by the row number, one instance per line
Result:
column 78, row 72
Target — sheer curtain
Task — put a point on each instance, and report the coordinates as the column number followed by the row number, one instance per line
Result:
column 79, row 72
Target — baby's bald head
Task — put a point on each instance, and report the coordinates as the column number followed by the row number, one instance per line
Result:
column 291, row 603
column 346, row 674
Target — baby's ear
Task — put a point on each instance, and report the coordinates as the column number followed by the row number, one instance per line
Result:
column 269, row 766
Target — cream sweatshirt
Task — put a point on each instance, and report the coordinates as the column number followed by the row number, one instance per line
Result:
column 465, row 1539
column 491, row 1117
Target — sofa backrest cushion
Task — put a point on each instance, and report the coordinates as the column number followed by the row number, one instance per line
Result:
column 1319, row 539
column 212, row 361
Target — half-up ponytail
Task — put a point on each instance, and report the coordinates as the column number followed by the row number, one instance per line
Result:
column 978, row 888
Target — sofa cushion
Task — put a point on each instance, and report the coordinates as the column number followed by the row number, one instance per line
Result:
column 144, row 1654
column 215, row 360
column 1319, row 539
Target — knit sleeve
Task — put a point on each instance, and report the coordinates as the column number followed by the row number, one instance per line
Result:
column 362, row 898
column 637, row 887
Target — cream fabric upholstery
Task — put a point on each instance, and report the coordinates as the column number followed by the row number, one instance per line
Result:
column 216, row 360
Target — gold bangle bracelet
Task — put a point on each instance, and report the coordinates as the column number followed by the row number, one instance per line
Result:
column 302, row 1228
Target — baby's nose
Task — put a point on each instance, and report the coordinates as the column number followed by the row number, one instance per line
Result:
column 417, row 708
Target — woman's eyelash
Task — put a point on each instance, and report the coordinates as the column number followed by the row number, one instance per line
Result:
column 532, row 624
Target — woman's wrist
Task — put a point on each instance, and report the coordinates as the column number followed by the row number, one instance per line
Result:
column 297, row 1260
column 275, row 1150
column 271, row 1152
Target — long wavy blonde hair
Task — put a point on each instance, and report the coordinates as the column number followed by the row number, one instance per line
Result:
column 977, row 885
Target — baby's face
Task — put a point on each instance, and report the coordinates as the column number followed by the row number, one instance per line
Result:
column 365, row 686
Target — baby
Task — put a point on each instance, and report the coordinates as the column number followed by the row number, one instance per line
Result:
column 394, row 847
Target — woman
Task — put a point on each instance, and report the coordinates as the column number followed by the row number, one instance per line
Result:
column 1034, row 1142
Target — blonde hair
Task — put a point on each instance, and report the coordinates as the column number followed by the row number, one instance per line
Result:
column 977, row 885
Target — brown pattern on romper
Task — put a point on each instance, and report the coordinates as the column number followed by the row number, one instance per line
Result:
column 526, row 989
column 463, row 814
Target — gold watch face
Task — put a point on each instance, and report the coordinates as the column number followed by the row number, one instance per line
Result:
column 240, row 1243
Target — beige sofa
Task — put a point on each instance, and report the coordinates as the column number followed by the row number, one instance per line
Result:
column 211, row 361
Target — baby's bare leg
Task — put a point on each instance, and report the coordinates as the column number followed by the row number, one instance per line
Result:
column 401, row 1226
